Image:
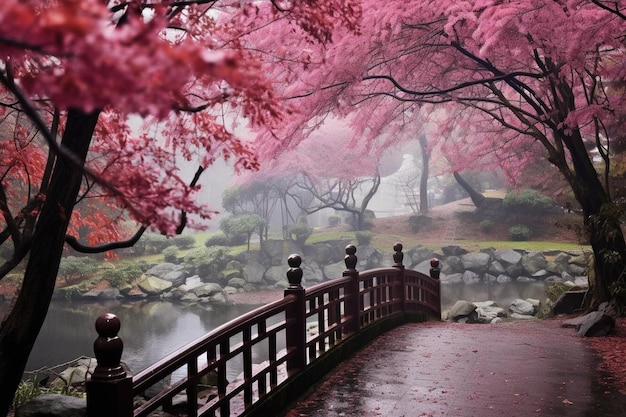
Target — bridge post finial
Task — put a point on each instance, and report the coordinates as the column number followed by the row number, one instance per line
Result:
column 295, row 315
column 350, row 259
column 399, row 285
column 398, row 255
column 352, row 290
column 434, row 268
column 108, row 349
column 294, row 274
column 110, row 387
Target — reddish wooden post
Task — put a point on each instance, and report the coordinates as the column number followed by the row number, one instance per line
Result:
column 296, row 317
column 435, row 273
column 110, row 388
column 434, row 268
column 353, row 310
column 400, row 282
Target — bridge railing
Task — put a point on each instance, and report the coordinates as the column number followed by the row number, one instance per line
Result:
column 264, row 359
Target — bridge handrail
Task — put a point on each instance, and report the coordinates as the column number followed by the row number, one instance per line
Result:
column 296, row 332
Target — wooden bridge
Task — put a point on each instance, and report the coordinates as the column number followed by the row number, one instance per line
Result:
column 280, row 349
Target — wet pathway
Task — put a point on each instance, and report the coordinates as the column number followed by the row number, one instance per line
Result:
column 515, row 369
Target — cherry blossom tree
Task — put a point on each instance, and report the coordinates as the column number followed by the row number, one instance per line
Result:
column 72, row 73
column 519, row 81
column 329, row 170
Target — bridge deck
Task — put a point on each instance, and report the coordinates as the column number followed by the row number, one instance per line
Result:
column 515, row 369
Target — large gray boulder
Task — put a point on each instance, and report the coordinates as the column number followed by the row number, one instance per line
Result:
column 325, row 253
column 369, row 257
column 452, row 265
column 522, row 307
column 253, row 272
column 75, row 374
column 312, row 273
column 503, row 279
column 453, row 250
column 489, row 312
column 152, row 285
column 595, row 324
column 452, row 278
column 476, row 261
column 280, row 249
column 534, row 262
column 177, row 277
column 417, row 255
column 423, row 267
column 53, row 405
column 496, row 268
column 463, row 312
column 569, row 302
column 335, row 270
column 470, row 277
column 207, row 290
column 275, row 274
column 162, row 269
column 110, row 293
column 508, row 256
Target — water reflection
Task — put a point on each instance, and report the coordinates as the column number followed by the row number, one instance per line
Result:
column 150, row 330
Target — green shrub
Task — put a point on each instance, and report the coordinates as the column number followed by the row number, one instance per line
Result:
column 240, row 227
column 218, row 239
column 27, row 390
column 417, row 221
column 208, row 262
column 487, row 226
column 299, row 232
column 363, row 238
column 334, row 220
column 528, row 201
column 519, row 232
column 170, row 254
column 73, row 269
column 151, row 244
column 183, row 242
column 124, row 273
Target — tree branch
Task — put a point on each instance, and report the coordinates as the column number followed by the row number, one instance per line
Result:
column 75, row 244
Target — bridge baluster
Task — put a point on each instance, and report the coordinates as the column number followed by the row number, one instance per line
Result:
column 434, row 268
column 296, row 316
column 352, row 289
column 398, row 255
column 399, row 286
column 110, row 388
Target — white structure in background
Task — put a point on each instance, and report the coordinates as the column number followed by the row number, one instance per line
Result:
column 392, row 198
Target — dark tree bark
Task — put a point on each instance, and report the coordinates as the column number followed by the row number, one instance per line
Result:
column 424, row 177
column 477, row 198
column 20, row 329
column 603, row 225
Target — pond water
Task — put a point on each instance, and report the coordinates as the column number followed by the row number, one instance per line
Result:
column 151, row 330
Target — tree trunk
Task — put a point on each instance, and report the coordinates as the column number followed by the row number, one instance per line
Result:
column 604, row 230
column 21, row 327
column 424, row 177
column 477, row 198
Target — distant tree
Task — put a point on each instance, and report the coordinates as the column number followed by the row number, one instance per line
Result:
column 343, row 195
column 258, row 197
column 328, row 171
column 244, row 224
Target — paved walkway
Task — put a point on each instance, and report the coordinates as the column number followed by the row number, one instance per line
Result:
column 515, row 369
